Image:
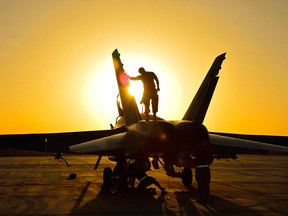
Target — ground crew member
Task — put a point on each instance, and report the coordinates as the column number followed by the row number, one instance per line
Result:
column 144, row 179
column 150, row 91
column 203, row 159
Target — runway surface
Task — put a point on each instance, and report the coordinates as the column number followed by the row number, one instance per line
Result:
column 40, row 186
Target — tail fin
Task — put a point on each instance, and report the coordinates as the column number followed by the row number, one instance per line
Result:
column 198, row 107
column 129, row 106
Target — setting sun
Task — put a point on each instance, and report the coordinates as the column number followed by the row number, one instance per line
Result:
column 100, row 89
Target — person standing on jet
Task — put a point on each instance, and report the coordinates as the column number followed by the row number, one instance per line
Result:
column 150, row 91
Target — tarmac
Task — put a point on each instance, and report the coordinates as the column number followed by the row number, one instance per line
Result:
column 257, row 185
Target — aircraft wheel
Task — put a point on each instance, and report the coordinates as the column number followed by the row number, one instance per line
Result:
column 107, row 177
column 187, row 176
column 131, row 182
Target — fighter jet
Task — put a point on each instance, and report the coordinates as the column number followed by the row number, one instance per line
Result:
column 171, row 143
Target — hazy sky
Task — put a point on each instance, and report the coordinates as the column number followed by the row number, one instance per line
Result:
column 57, row 72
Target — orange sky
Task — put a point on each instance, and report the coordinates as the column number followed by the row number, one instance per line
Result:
column 57, row 72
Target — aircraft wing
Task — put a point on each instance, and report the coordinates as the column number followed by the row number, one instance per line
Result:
column 52, row 142
column 123, row 143
column 225, row 146
column 275, row 140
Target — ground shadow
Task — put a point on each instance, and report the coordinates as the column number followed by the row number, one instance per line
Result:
column 124, row 203
column 149, row 203
column 215, row 206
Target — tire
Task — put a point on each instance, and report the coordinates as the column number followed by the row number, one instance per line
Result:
column 187, row 176
column 107, row 176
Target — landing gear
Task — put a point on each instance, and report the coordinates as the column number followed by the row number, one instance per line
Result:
column 107, row 178
column 117, row 180
column 187, row 176
column 130, row 182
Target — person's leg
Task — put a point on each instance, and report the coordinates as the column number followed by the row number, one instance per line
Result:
column 156, row 183
column 146, row 102
column 207, row 183
column 200, row 182
column 155, row 101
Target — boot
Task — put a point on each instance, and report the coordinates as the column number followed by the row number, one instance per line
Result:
column 154, row 117
column 147, row 117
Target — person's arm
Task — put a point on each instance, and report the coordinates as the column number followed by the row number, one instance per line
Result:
column 135, row 78
column 157, row 82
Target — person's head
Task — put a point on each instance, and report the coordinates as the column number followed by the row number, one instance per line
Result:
column 141, row 70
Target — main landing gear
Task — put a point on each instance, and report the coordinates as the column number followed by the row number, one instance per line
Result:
column 107, row 178
column 117, row 180
column 186, row 175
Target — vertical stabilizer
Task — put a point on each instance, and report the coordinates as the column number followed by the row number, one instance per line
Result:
column 130, row 109
column 198, row 107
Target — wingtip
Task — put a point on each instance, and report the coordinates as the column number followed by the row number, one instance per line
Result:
column 223, row 54
column 221, row 57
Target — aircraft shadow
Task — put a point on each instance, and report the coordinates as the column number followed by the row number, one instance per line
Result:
column 215, row 206
column 123, row 203
column 149, row 203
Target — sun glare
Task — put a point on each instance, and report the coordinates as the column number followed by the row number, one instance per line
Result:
column 100, row 89
column 136, row 89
